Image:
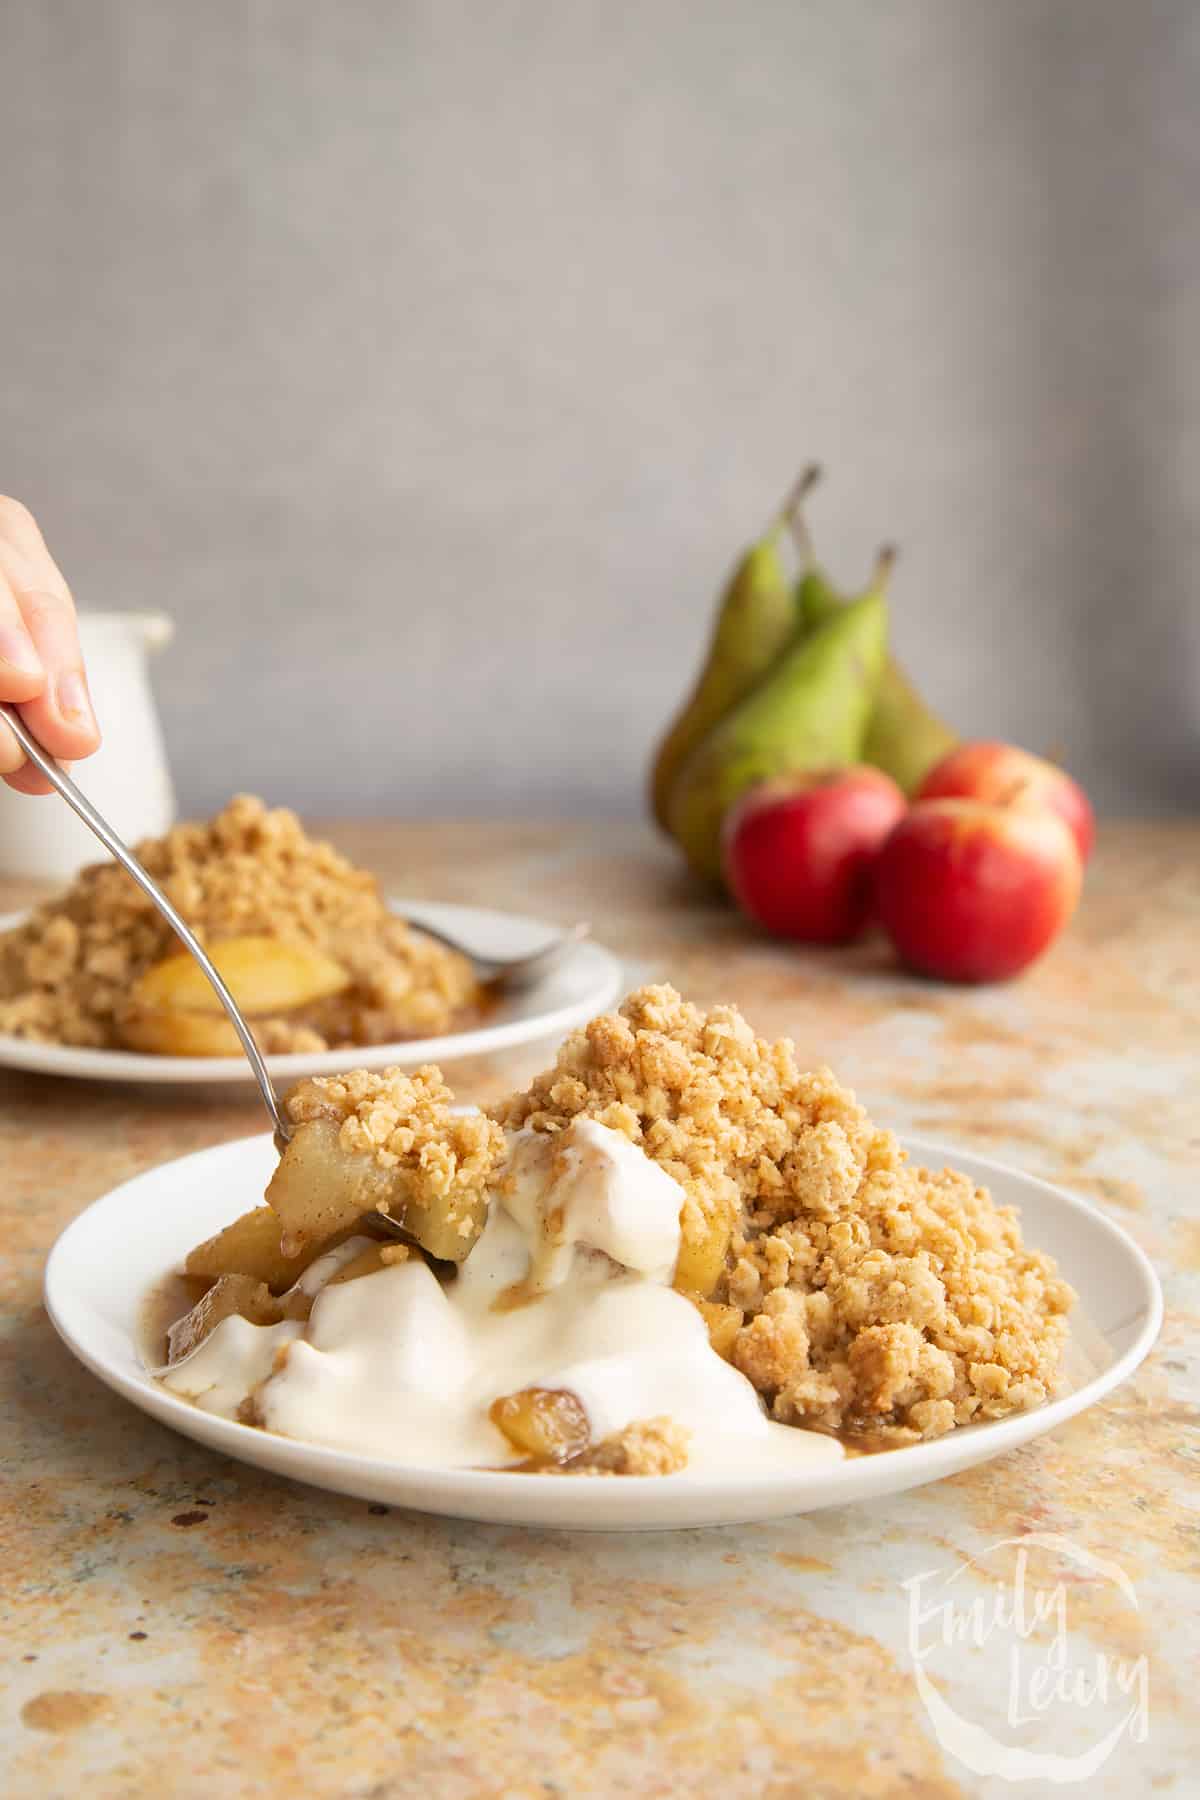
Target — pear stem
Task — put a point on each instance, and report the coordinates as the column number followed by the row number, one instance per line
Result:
column 793, row 513
column 885, row 562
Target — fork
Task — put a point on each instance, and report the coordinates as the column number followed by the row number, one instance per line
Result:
column 505, row 973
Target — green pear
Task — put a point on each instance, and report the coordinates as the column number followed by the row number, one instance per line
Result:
column 905, row 737
column 810, row 712
column 755, row 619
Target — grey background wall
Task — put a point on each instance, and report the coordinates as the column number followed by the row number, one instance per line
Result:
column 429, row 361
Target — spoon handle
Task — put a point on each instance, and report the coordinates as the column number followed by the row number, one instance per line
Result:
column 79, row 803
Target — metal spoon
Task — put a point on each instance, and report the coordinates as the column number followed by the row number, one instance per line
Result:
column 79, row 803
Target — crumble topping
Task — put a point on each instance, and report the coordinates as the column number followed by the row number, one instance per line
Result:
column 65, row 974
column 647, row 1447
column 402, row 1120
column 874, row 1296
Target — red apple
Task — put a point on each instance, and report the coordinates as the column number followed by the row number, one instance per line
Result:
column 798, row 850
column 1005, row 776
column 969, row 892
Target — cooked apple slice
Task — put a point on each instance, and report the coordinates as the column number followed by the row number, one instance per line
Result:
column 231, row 1294
column 724, row 1323
column 320, row 1187
column 548, row 1424
column 164, row 1033
column 371, row 1261
column 251, row 1246
column 174, row 1011
column 703, row 1247
column 264, row 975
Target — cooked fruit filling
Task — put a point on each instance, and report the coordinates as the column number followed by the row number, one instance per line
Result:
column 384, row 1143
column 547, row 1425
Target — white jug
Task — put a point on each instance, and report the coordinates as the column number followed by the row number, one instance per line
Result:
column 127, row 779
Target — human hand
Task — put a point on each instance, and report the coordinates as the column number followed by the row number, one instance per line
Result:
column 41, row 664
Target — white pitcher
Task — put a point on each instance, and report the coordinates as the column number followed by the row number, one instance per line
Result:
column 127, row 779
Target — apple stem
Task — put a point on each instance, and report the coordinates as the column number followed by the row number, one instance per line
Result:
column 1014, row 792
column 793, row 514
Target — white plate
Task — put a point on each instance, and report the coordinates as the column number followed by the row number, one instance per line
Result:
column 587, row 982
column 106, row 1263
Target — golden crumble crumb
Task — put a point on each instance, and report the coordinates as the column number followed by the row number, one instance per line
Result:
column 67, row 972
column 876, row 1296
column 647, row 1447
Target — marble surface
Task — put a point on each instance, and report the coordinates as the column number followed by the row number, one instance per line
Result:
column 181, row 1625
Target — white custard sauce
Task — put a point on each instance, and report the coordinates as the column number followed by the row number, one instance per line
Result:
column 567, row 1288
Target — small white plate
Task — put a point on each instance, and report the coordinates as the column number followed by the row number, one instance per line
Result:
column 585, row 983
column 105, row 1265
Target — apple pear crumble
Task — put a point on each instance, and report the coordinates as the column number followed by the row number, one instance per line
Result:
column 302, row 938
column 670, row 1250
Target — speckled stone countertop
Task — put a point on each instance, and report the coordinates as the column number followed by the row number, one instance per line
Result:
column 177, row 1624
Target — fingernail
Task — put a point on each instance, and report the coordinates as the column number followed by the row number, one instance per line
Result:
column 16, row 649
column 74, row 702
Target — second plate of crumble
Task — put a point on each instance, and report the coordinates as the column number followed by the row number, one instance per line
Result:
column 331, row 973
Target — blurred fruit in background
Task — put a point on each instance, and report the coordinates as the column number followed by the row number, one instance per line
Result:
column 755, row 619
column 786, row 772
column 971, row 892
column 1006, row 776
column 799, row 851
column 797, row 677
column 904, row 736
column 810, row 711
